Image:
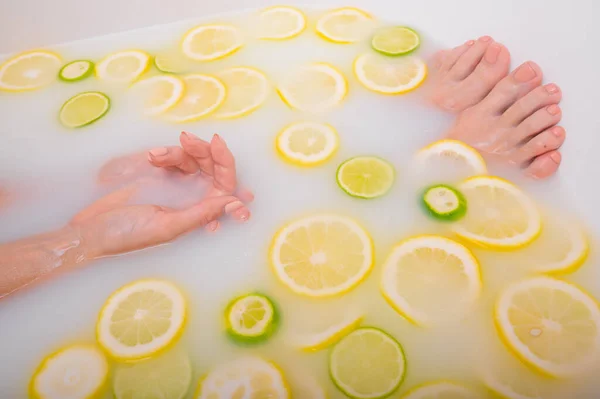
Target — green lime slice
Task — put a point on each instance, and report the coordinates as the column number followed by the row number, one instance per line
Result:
column 397, row 40
column 84, row 109
column 367, row 364
column 76, row 71
column 365, row 177
column 251, row 319
column 166, row 376
column 444, row 202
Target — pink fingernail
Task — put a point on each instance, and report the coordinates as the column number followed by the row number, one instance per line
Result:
column 556, row 157
column 525, row 73
column 189, row 135
column 157, row 152
column 553, row 109
column 551, row 88
column 470, row 42
column 485, row 39
column 491, row 54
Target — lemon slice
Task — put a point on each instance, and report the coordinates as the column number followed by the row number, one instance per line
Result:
column 160, row 93
column 322, row 255
column 281, row 22
column 84, row 109
column 344, row 25
column 211, row 42
column 167, row 376
column 500, row 215
column 430, row 278
column 329, row 336
column 75, row 372
column 388, row 75
column 454, row 155
column 76, row 70
column 315, row 87
column 396, row 40
column 203, row 95
column 516, row 381
column 551, row 325
column 29, row 71
column 367, row 363
column 172, row 61
column 366, row 177
column 307, row 143
column 247, row 90
column 251, row 318
column 246, row 377
column 123, row 66
column 441, row 390
column 140, row 319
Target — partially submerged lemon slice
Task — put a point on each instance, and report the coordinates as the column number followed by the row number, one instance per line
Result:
column 29, row 71
column 307, row 143
column 441, row 390
column 366, row 177
column 204, row 94
column 123, row 66
column 345, row 25
column 390, row 75
column 247, row 90
column 211, row 42
column 281, row 22
column 160, row 93
column 329, row 336
column 454, row 155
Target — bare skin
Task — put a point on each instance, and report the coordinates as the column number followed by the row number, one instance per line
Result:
column 509, row 117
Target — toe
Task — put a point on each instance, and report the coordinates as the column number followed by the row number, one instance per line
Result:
column 544, row 166
column 539, row 121
column 538, row 98
column 549, row 140
column 451, row 56
column 467, row 62
column 520, row 82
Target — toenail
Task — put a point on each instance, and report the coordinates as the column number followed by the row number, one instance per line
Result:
column 525, row 73
column 557, row 131
column 552, row 88
column 159, row 151
column 553, row 109
column 470, row 42
column 485, row 38
column 491, row 55
column 555, row 156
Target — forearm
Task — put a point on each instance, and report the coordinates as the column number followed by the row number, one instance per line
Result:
column 29, row 260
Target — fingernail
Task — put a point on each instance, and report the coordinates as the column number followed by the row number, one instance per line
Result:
column 556, row 157
column 470, row 42
column 553, row 109
column 558, row 131
column 212, row 226
column 551, row 88
column 525, row 73
column 485, row 39
column 218, row 138
column 242, row 214
column 491, row 54
column 157, row 152
column 189, row 135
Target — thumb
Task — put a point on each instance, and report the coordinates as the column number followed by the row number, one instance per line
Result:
column 201, row 214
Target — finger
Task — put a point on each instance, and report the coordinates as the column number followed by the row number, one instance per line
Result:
column 200, row 150
column 212, row 226
column 107, row 203
column 238, row 211
column 124, row 169
column 225, row 178
column 173, row 157
column 199, row 215
column 245, row 195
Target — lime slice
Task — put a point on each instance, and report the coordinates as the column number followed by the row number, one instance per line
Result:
column 365, row 177
column 444, row 202
column 84, row 109
column 397, row 40
column 251, row 318
column 368, row 363
column 76, row 71
column 166, row 376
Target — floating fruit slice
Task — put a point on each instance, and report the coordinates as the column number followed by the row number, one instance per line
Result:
column 329, row 336
column 305, row 386
column 167, row 376
column 344, row 25
column 211, row 42
column 160, row 93
column 203, row 95
column 444, row 202
column 390, row 75
column 453, row 154
column 75, row 372
column 513, row 380
column 441, row 390
column 365, row 177
column 551, row 325
column 430, row 278
column 500, row 214
column 141, row 318
column 281, row 22
column 367, row 363
column 307, row 143
column 123, row 66
column 29, row 71
column 314, row 88
column 251, row 318
column 247, row 90
column 84, row 109
column 322, row 255
column 76, row 70
column 395, row 40
column 172, row 61
column 247, row 377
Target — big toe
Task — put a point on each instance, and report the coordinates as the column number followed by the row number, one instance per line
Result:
column 545, row 165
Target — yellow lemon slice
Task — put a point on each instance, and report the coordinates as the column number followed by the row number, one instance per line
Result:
column 345, row 25
column 366, row 177
column 29, row 71
column 322, row 255
column 173, row 61
column 551, row 325
column 454, row 155
column 513, row 380
column 430, row 278
column 314, row 88
column 390, row 75
column 329, row 336
column 211, row 42
column 75, row 372
column 247, row 90
column 160, row 93
column 500, row 215
column 141, row 318
column 246, row 377
column 281, row 22
column 203, row 95
column 123, row 66
column 441, row 390
column 307, row 143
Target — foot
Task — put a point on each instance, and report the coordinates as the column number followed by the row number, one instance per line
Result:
column 466, row 74
column 516, row 122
